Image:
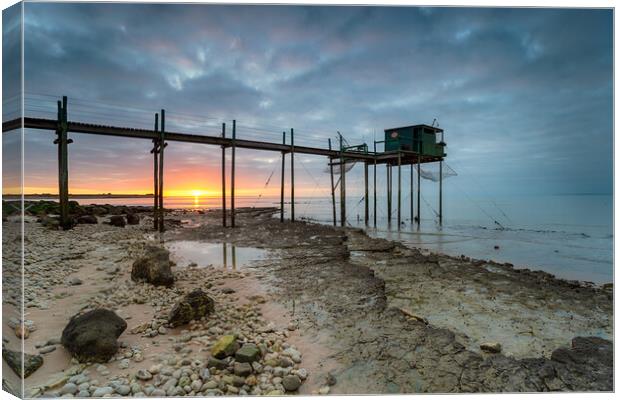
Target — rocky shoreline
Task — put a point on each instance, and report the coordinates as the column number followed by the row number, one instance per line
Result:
column 329, row 310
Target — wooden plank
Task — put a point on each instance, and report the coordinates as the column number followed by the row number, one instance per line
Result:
column 292, row 175
column 162, row 146
column 232, row 175
column 224, row 177
column 333, row 189
column 155, row 152
column 282, row 180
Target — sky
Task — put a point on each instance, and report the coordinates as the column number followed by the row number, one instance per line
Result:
column 524, row 95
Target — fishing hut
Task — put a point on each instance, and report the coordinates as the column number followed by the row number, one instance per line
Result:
column 408, row 145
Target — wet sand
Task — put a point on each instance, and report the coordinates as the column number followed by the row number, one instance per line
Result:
column 368, row 315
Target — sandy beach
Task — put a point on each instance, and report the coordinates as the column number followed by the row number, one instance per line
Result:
column 332, row 310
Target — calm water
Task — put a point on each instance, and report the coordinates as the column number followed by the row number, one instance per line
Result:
column 570, row 236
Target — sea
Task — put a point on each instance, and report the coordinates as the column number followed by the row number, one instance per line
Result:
column 570, row 236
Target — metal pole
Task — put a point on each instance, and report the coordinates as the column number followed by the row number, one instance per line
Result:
column 282, row 180
column 224, row 177
column 440, row 192
column 155, row 152
column 232, row 175
column 343, row 195
column 331, row 175
column 162, row 146
column 374, row 188
column 399, row 175
column 292, row 175
column 366, row 216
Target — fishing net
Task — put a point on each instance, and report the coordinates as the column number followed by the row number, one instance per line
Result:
column 432, row 173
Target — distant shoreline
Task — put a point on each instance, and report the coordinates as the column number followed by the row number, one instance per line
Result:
column 79, row 196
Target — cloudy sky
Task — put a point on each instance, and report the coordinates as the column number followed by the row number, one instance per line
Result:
column 524, row 95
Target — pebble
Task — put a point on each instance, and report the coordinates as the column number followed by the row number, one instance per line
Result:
column 491, row 347
column 143, row 375
column 123, row 390
column 324, row 390
column 68, row 388
column 158, row 393
column 47, row 349
column 102, row 391
column 83, row 393
column 124, row 364
column 291, row 383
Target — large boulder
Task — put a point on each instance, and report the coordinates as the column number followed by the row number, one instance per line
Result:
column 87, row 219
column 117, row 220
column 133, row 219
column 14, row 361
column 92, row 337
column 153, row 267
column 193, row 306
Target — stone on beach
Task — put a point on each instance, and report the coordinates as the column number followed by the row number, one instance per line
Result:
column 242, row 369
column 117, row 220
column 92, row 337
column 224, row 347
column 491, row 347
column 291, row 383
column 14, row 360
column 193, row 306
column 248, row 353
column 153, row 267
column 87, row 219
column 133, row 219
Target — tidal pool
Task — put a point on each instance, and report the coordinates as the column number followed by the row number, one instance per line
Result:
column 225, row 255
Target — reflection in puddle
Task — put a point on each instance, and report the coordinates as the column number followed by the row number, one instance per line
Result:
column 184, row 252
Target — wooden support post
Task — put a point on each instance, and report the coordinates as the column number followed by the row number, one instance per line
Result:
column 389, row 193
column 411, row 215
column 63, row 164
column 155, row 152
column 292, row 175
column 399, row 191
column 343, row 194
column 374, row 188
column 282, row 180
column 440, row 192
column 162, row 146
column 333, row 189
column 366, row 216
column 418, row 214
column 232, row 175
column 224, row 178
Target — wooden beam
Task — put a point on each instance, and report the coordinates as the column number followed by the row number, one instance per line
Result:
column 374, row 188
column 343, row 194
column 389, row 193
column 63, row 164
column 282, row 180
column 292, row 175
column 155, row 152
column 418, row 214
column 440, row 193
column 411, row 215
column 366, row 216
column 333, row 189
column 232, row 175
column 224, row 177
column 162, row 146
column 399, row 191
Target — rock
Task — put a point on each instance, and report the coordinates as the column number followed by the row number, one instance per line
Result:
column 227, row 290
column 123, row 390
column 133, row 219
column 143, row 375
column 75, row 281
column 153, row 267
column 224, row 347
column 293, row 354
column 91, row 337
column 324, row 390
column 248, row 353
column 291, row 326
column 14, row 360
column 491, row 347
column 302, row 373
column 124, row 364
column 117, row 220
column 102, row 391
column 47, row 349
column 70, row 388
column 331, row 379
column 87, row 219
column 242, row 369
column 216, row 363
column 162, row 330
column 291, row 383
column 22, row 332
column 193, row 306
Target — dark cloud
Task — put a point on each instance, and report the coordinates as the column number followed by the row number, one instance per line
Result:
column 525, row 95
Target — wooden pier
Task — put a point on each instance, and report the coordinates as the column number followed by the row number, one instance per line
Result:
column 161, row 138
